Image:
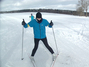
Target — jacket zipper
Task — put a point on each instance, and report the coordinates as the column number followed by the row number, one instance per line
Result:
column 40, row 31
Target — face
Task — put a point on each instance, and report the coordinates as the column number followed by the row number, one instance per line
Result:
column 39, row 19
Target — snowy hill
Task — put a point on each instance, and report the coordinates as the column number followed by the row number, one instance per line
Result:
column 72, row 36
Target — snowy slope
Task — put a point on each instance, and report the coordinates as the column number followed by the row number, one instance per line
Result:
column 72, row 36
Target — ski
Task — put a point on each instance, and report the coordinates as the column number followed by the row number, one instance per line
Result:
column 33, row 62
column 53, row 62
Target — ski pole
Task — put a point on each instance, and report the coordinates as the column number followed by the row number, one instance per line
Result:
column 22, row 41
column 55, row 40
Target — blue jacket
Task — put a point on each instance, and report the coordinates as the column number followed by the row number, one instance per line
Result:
column 38, row 28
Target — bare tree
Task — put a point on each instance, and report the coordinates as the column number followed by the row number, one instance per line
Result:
column 86, row 6
column 80, row 11
column 82, row 6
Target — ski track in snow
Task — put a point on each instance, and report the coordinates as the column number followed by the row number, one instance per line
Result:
column 72, row 36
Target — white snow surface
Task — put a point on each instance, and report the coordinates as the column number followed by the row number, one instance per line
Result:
column 72, row 37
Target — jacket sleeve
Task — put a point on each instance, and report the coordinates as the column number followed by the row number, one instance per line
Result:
column 29, row 24
column 48, row 24
column 25, row 26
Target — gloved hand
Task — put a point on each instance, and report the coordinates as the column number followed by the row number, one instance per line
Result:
column 23, row 22
column 51, row 23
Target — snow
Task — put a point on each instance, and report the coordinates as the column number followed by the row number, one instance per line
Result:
column 72, row 37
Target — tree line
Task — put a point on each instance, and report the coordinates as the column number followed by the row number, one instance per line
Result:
column 81, row 9
column 46, row 10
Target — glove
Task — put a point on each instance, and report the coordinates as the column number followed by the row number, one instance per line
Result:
column 23, row 22
column 51, row 23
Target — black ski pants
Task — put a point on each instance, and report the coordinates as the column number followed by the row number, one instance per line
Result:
column 36, row 41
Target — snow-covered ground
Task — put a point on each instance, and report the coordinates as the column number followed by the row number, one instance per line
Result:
column 72, row 36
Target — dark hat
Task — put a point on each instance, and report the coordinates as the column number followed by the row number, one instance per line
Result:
column 38, row 15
